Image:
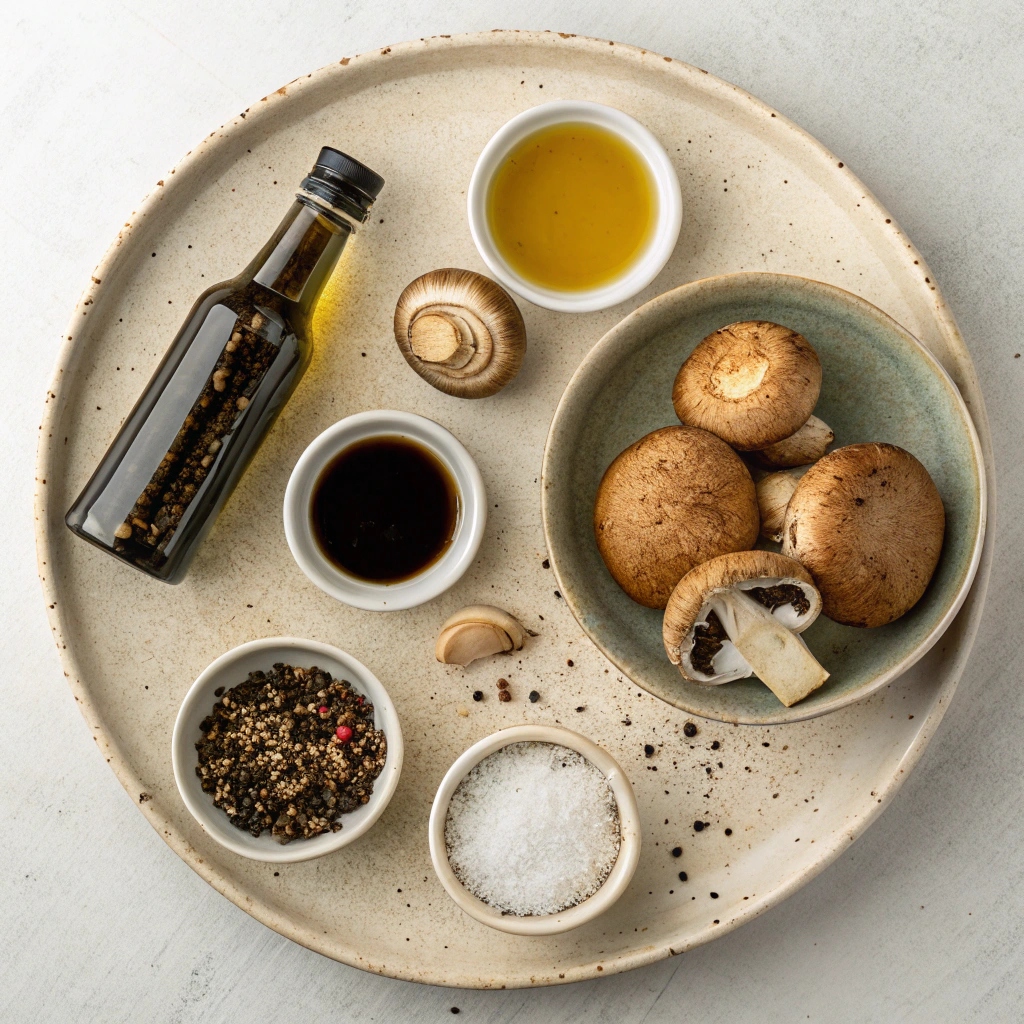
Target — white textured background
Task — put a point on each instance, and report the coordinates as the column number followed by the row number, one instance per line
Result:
column 921, row 921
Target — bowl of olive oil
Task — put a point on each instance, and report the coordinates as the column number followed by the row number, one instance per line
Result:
column 574, row 205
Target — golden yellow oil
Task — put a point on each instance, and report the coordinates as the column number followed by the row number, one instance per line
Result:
column 571, row 207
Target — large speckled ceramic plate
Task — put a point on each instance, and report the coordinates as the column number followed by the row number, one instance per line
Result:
column 420, row 113
column 878, row 384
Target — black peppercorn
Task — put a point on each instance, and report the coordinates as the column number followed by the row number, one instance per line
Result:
column 698, row 826
column 478, row 695
column 534, row 696
column 714, row 895
column 648, row 750
column 682, row 876
column 689, row 729
column 715, row 745
column 728, row 831
column 677, row 851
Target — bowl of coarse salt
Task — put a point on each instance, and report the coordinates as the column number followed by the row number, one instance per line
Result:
column 535, row 830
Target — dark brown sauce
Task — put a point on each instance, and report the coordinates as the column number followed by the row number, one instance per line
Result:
column 384, row 509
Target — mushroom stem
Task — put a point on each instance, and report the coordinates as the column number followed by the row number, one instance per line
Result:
column 444, row 337
column 778, row 657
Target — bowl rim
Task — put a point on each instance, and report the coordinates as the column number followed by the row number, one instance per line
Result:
column 663, row 240
column 629, row 824
column 213, row 822
column 726, row 282
column 437, row 577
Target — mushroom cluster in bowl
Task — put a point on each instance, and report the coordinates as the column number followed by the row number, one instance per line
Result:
column 772, row 369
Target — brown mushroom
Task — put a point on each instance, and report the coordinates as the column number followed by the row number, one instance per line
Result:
column 739, row 615
column 461, row 332
column 671, row 500
column 807, row 445
column 868, row 523
column 753, row 384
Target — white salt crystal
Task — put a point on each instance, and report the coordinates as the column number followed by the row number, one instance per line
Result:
column 533, row 829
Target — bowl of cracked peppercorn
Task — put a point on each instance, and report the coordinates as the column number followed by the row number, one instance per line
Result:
column 286, row 749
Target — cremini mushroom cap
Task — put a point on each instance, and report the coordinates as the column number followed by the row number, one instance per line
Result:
column 461, row 332
column 867, row 521
column 722, row 573
column 753, row 384
column 807, row 445
column 670, row 501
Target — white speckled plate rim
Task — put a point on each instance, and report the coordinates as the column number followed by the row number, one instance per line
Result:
column 816, row 157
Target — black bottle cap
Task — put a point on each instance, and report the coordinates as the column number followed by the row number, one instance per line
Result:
column 342, row 180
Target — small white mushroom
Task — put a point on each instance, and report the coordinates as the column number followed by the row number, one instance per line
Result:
column 739, row 615
column 807, row 445
column 461, row 332
column 478, row 631
column 773, row 494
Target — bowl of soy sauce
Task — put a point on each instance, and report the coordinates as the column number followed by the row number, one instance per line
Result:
column 385, row 510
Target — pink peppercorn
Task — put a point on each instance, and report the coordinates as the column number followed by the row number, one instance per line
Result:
column 344, row 733
column 324, row 709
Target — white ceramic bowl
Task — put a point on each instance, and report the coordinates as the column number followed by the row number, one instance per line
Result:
column 229, row 670
column 436, row 578
column 666, row 185
column 629, row 824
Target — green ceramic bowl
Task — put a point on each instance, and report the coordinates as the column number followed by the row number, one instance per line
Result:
column 880, row 384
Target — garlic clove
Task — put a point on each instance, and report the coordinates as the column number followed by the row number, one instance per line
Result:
column 462, row 644
column 478, row 631
column 773, row 494
column 461, row 332
column 807, row 445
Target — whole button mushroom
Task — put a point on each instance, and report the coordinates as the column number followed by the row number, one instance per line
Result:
column 461, row 332
column 739, row 615
column 868, row 523
column 670, row 501
column 753, row 384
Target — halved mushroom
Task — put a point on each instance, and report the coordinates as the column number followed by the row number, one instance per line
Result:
column 807, row 445
column 671, row 500
column 478, row 631
column 867, row 521
column 739, row 615
column 753, row 384
column 461, row 332
column 773, row 494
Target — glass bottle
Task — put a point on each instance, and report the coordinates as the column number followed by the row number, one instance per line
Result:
column 226, row 376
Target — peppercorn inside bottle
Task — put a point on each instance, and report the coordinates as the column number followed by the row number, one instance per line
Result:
column 216, row 393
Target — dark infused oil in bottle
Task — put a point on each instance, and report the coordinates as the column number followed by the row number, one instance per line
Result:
column 228, row 372
column 384, row 509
